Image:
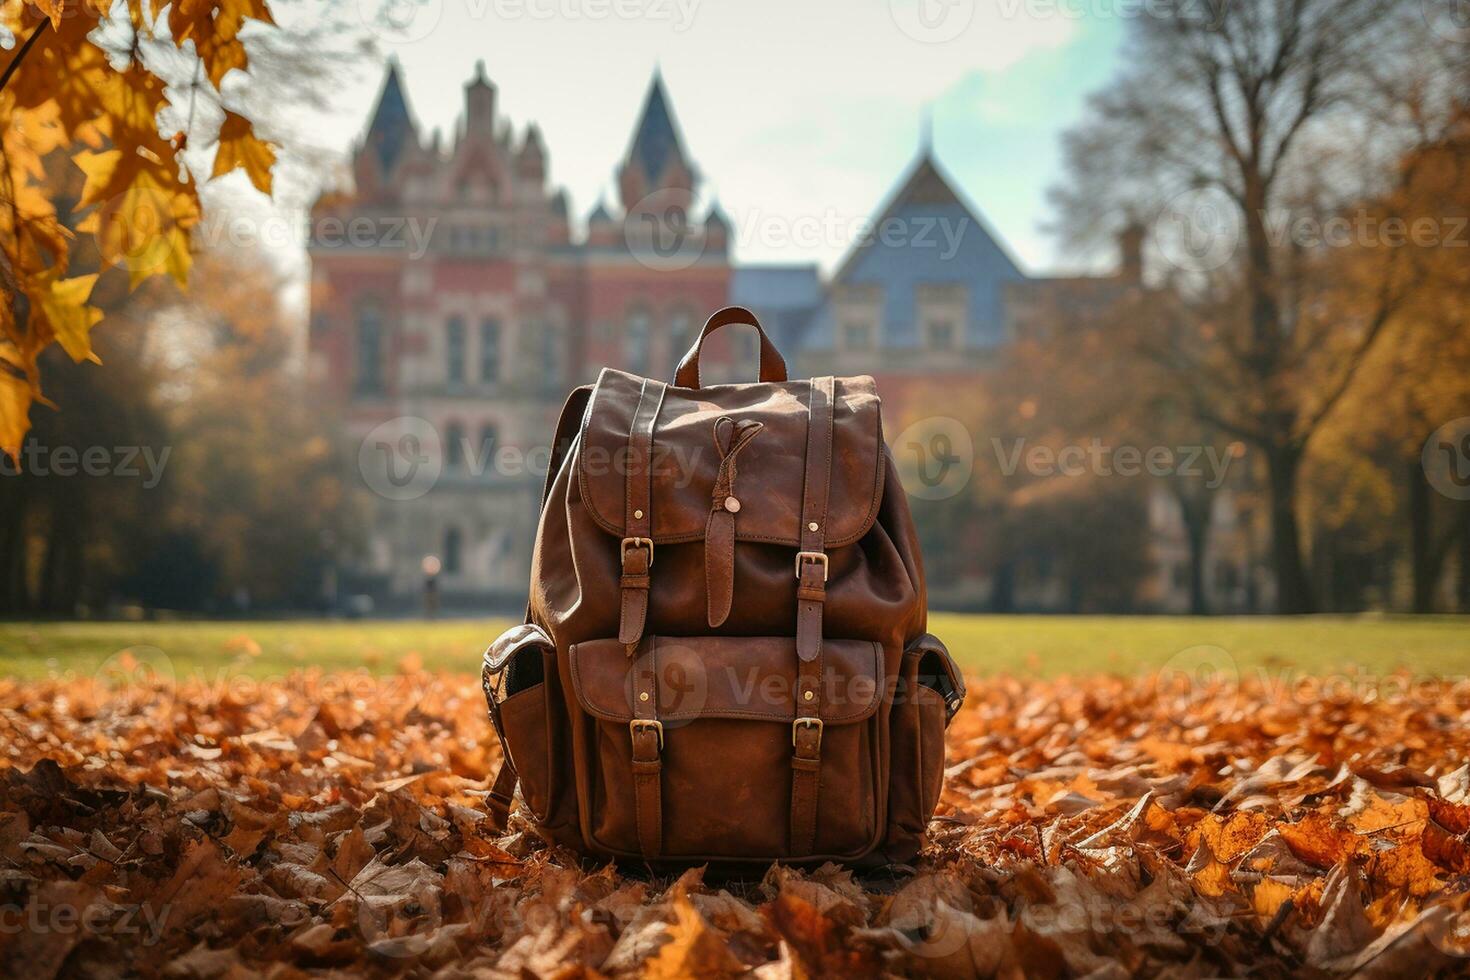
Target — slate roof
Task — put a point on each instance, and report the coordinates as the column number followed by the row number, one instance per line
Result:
column 927, row 233
column 656, row 142
column 392, row 126
column 786, row 298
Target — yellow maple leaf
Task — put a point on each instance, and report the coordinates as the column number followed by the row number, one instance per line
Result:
column 16, row 394
column 100, row 170
column 146, row 227
column 63, row 302
column 240, row 147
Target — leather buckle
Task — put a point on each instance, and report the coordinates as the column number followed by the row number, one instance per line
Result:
column 657, row 726
column 819, row 557
column 810, row 722
column 638, row 543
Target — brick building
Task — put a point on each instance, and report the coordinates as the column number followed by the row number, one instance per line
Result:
column 450, row 286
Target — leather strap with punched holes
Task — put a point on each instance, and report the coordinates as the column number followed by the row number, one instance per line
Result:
column 811, row 594
column 637, row 545
column 648, row 742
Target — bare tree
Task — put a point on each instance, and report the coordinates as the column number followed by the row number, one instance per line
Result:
column 1237, row 129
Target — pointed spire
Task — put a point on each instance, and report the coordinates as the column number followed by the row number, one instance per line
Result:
column 656, row 141
column 392, row 126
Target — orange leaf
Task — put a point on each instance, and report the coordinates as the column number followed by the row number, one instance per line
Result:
column 240, row 147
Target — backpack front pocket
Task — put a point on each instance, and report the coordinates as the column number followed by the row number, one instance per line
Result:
column 691, row 747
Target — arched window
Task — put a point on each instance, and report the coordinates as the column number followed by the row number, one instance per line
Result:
column 453, row 546
column 637, row 341
column 454, row 445
column 369, row 349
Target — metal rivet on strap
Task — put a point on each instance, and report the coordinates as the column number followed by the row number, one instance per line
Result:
column 732, row 505
column 637, row 515
column 813, row 526
column 643, row 696
column 808, row 695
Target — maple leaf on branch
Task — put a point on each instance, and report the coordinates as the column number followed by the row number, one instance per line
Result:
column 61, row 92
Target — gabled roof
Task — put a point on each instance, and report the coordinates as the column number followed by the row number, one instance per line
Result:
column 392, row 126
column 925, row 234
column 656, row 140
column 926, row 187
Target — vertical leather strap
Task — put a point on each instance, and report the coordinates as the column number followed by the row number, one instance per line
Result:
column 637, row 546
column 811, row 594
column 648, row 736
column 811, row 571
column 719, row 531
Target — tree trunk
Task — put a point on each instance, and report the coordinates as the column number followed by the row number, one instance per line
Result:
column 13, row 597
column 1293, row 592
column 1003, row 588
column 1420, row 548
column 1463, row 586
column 1194, row 512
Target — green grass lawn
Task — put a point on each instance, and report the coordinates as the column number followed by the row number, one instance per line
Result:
column 1044, row 645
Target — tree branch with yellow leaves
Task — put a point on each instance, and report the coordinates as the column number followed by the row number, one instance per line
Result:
column 63, row 94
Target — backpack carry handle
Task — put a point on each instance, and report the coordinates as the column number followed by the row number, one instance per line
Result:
column 772, row 365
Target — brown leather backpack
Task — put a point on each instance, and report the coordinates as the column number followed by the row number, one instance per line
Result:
column 724, row 657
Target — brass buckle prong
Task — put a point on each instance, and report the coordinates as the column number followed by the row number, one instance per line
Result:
column 810, row 722
column 638, row 543
column 819, row 557
column 656, row 725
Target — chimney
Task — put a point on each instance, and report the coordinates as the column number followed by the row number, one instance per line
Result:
column 1130, row 252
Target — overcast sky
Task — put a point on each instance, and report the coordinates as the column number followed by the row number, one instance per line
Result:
column 801, row 114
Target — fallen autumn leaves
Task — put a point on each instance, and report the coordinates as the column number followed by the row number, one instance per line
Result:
column 1089, row 827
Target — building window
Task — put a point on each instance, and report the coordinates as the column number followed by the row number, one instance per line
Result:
column 637, row 342
column 857, row 335
column 489, row 350
column 940, row 334
column 453, row 546
column 454, row 340
column 454, row 445
column 550, row 357
column 369, row 350
column 682, row 334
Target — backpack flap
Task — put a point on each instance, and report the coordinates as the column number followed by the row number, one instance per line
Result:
column 685, row 459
